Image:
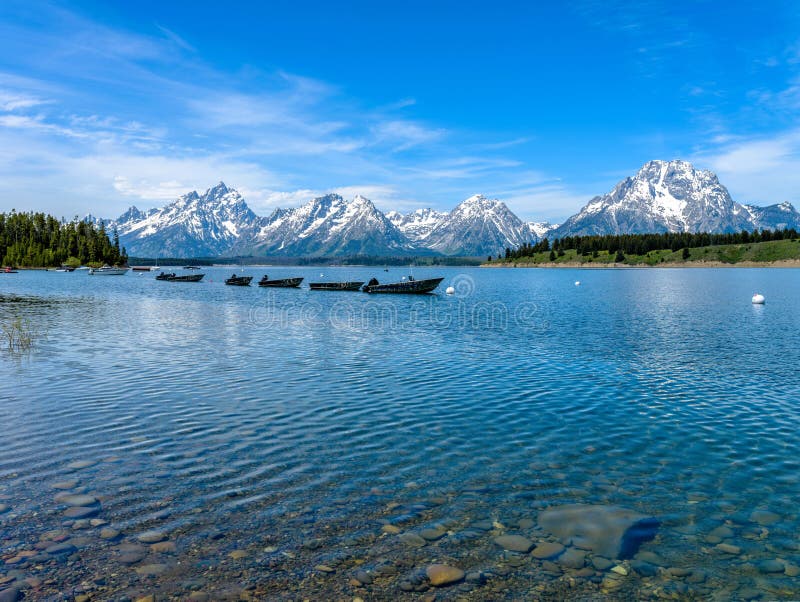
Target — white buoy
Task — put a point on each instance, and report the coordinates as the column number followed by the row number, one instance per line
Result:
column 450, row 290
column 577, row 283
column 758, row 299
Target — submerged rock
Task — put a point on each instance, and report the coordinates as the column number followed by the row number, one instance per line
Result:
column 547, row 550
column 515, row 543
column 609, row 531
column 443, row 574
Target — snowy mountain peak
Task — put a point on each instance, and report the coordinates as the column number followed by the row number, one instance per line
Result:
column 217, row 191
column 193, row 225
column 663, row 196
column 541, row 229
column 328, row 226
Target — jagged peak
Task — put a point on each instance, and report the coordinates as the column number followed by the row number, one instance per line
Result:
column 218, row 190
column 671, row 167
column 475, row 199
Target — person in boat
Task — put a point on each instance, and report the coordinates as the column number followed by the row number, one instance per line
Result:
column 411, row 279
column 372, row 282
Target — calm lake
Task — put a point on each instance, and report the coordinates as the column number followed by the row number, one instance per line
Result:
column 182, row 439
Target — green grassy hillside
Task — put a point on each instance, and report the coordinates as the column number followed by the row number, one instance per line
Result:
column 759, row 252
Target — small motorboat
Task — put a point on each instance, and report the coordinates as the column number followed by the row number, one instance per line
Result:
column 141, row 268
column 191, row 267
column 173, row 277
column 410, row 286
column 187, row 278
column 9, row 270
column 280, row 283
column 107, row 270
column 65, row 268
column 238, row 280
column 335, row 286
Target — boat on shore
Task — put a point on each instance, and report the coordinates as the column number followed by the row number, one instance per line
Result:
column 107, row 270
column 410, row 286
column 335, row 286
column 238, row 280
column 280, row 282
column 173, row 277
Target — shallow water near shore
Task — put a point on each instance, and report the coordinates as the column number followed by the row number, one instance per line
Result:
column 177, row 438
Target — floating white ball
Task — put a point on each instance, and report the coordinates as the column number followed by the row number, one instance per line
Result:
column 450, row 290
column 758, row 299
column 577, row 283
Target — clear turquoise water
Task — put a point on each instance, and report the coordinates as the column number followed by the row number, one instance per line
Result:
column 245, row 418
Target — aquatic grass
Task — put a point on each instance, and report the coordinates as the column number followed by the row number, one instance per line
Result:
column 19, row 334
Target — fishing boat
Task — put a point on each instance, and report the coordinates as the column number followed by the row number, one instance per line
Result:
column 280, row 283
column 173, row 277
column 187, row 278
column 238, row 280
column 335, row 286
column 107, row 270
column 411, row 286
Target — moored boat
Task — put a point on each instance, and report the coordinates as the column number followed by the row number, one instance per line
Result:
column 173, row 277
column 9, row 270
column 335, row 286
column 410, row 286
column 141, row 268
column 280, row 282
column 187, row 278
column 107, row 270
column 191, row 267
column 238, row 280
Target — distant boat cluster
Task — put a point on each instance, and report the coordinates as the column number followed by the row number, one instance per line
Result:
column 409, row 285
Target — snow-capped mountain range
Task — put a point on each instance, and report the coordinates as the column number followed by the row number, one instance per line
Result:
column 663, row 196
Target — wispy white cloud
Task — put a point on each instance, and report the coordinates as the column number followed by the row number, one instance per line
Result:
column 281, row 138
column 10, row 101
column 403, row 135
column 762, row 169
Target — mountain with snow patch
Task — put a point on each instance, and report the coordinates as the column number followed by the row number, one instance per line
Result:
column 664, row 196
column 418, row 224
column 478, row 226
column 541, row 230
column 328, row 226
column 194, row 225
column 774, row 217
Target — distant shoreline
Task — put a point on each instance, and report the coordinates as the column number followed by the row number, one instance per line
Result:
column 781, row 263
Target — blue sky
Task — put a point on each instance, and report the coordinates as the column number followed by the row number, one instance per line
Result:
column 108, row 104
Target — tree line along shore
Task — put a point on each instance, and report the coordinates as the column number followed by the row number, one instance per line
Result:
column 779, row 247
column 36, row 240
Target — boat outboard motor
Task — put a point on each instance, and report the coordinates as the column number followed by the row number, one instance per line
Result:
column 372, row 282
